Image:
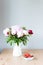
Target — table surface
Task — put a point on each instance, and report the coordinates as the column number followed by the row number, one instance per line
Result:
column 6, row 58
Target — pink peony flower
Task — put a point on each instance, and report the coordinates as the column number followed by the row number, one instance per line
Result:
column 6, row 32
column 20, row 33
column 30, row 31
column 14, row 29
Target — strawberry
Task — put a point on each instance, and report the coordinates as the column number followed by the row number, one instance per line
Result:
column 27, row 55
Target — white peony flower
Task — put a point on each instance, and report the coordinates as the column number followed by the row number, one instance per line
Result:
column 6, row 32
column 14, row 29
column 20, row 33
column 25, row 32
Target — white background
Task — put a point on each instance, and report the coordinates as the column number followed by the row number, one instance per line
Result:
column 28, row 13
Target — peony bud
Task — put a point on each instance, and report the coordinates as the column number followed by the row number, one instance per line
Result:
column 30, row 31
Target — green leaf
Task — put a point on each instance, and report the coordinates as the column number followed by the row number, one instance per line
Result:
column 14, row 39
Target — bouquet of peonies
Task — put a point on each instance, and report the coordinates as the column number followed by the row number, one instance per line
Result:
column 17, row 34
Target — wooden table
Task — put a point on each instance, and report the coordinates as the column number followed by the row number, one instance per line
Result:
column 6, row 58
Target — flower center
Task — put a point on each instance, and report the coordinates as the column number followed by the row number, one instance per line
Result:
column 8, row 33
